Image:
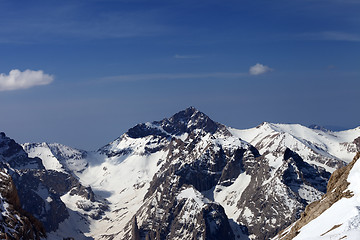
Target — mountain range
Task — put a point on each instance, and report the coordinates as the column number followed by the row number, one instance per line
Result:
column 184, row 177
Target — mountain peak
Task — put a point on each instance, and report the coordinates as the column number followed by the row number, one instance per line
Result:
column 182, row 122
column 191, row 109
column 264, row 124
column 187, row 121
column 318, row 127
column 15, row 155
column 189, row 114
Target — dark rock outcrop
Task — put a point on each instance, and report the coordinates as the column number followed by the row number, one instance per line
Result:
column 185, row 121
column 357, row 143
column 267, row 207
column 39, row 190
column 336, row 190
column 16, row 156
column 135, row 233
column 16, row 223
column 193, row 164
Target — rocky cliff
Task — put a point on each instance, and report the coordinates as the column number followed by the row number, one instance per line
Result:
column 337, row 190
column 15, row 222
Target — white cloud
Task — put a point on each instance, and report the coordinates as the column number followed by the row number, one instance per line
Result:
column 22, row 80
column 259, row 69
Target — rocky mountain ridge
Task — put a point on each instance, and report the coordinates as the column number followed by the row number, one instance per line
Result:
column 330, row 206
column 41, row 191
column 182, row 177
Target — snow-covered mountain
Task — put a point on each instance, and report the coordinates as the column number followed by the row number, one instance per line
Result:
column 58, row 157
column 323, row 148
column 42, row 193
column 337, row 214
column 183, row 177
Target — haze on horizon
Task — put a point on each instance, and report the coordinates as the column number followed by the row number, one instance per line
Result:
column 83, row 72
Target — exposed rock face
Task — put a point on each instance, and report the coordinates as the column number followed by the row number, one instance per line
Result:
column 40, row 191
column 183, row 122
column 135, row 233
column 192, row 165
column 299, row 173
column 208, row 160
column 357, row 143
column 16, row 156
column 271, row 202
column 15, row 223
column 184, row 177
column 337, row 189
column 272, row 140
column 179, row 216
column 260, row 193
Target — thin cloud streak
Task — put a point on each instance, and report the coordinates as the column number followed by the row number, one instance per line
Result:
column 332, row 36
column 66, row 21
column 187, row 56
column 171, row 76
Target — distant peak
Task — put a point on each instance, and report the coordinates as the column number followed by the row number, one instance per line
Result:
column 263, row 124
column 318, row 127
column 186, row 114
column 2, row 135
column 189, row 116
column 187, row 121
column 191, row 109
column 184, row 121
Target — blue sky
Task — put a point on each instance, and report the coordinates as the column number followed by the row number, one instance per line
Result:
column 82, row 72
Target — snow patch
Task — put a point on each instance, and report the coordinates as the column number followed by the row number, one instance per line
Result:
column 191, row 193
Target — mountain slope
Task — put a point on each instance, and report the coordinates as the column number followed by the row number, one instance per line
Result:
column 337, row 214
column 190, row 177
column 180, row 149
column 57, row 156
column 327, row 149
column 224, row 169
column 46, row 194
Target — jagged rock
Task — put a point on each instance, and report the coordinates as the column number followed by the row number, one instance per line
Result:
column 357, row 143
column 184, row 177
column 15, row 223
column 182, row 122
column 337, row 189
column 267, row 206
column 16, row 156
column 40, row 190
column 198, row 164
column 135, row 233
column 276, row 185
